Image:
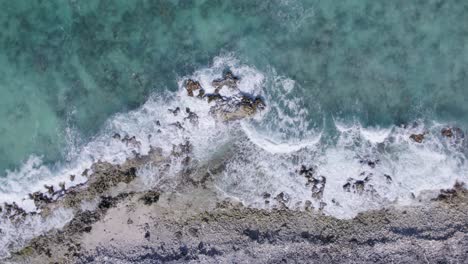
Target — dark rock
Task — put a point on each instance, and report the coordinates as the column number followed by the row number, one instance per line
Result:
column 282, row 197
column 147, row 235
column 213, row 97
column 357, row 186
column 347, row 187
column 455, row 134
column 245, row 106
column 150, row 197
column 193, row 231
column 116, row 136
column 447, row 132
column 317, row 182
column 201, row 245
column 318, row 186
column 369, row 162
column 453, row 193
column 201, row 93
column 417, row 138
column 228, row 80
column 182, row 149
column 191, row 85
column 106, row 202
column 50, row 189
column 62, row 186
column 175, row 111
column 252, row 234
column 72, row 177
column 178, row 125
column 184, row 250
column 307, row 172
column 388, row 178
column 213, row 252
column 191, row 116
column 132, row 141
column 39, row 199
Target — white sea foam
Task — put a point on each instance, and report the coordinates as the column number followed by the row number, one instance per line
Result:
column 13, row 235
column 262, row 155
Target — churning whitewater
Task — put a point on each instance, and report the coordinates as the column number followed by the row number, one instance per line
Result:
column 277, row 157
column 264, row 154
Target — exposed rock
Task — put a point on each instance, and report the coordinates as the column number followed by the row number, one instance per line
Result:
column 458, row 191
column 191, row 116
column 50, row 189
column 447, row 132
column 317, row 182
column 191, row 85
column 131, row 141
column 417, row 137
column 371, row 163
column 182, row 149
column 357, row 186
column 39, row 199
column 116, row 136
column 388, row 178
column 228, row 80
column 213, row 97
column 230, row 110
column 178, row 125
column 150, row 197
column 201, row 93
column 175, row 111
column 435, row 232
column 282, row 198
column 13, row 212
column 454, row 133
column 307, row 172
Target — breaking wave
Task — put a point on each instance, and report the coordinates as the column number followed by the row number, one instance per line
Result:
column 281, row 157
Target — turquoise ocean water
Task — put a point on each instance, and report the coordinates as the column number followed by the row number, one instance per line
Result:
column 346, row 84
column 67, row 66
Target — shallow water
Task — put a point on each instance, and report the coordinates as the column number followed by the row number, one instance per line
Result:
column 67, row 66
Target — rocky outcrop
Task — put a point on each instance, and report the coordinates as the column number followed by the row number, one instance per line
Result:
column 235, row 109
column 191, row 86
column 454, row 134
column 418, row 138
column 122, row 230
column 227, row 108
column 317, row 182
column 229, row 80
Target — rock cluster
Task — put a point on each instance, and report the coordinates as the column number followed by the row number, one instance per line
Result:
column 316, row 181
column 418, row 138
column 227, row 108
